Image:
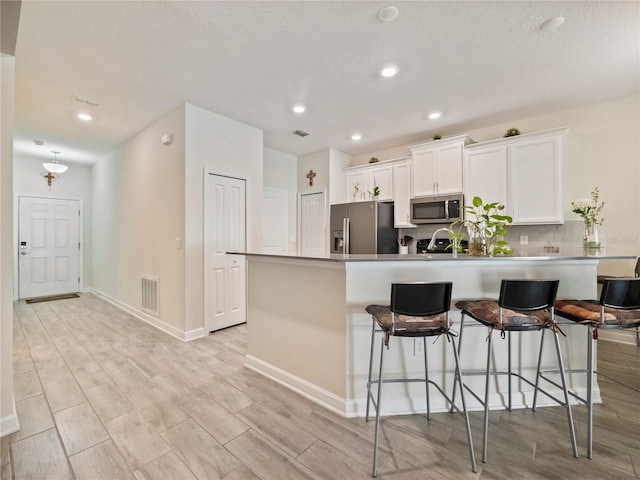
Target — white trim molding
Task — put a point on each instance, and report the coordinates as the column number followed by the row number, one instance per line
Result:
column 185, row 336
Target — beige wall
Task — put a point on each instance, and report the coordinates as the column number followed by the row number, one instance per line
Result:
column 8, row 418
column 74, row 184
column 224, row 146
column 138, row 213
column 603, row 150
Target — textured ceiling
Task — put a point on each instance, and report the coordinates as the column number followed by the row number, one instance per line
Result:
column 474, row 61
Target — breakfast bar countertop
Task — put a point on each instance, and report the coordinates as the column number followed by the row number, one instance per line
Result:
column 568, row 254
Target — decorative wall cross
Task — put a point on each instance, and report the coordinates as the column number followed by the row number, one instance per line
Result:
column 310, row 176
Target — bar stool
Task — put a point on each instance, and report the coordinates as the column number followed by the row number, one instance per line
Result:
column 618, row 308
column 523, row 306
column 416, row 310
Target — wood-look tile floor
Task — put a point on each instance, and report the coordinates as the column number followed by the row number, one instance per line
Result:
column 102, row 395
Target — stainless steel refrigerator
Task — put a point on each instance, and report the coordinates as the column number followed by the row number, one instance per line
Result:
column 363, row 227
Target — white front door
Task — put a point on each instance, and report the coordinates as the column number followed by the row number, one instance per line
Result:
column 275, row 225
column 312, row 225
column 48, row 246
column 224, row 230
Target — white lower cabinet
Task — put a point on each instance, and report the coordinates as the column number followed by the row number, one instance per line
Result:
column 523, row 172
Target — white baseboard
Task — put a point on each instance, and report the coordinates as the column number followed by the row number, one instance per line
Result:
column 185, row 336
column 9, row 423
column 308, row 390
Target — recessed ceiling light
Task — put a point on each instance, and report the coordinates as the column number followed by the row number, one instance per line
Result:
column 388, row 13
column 389, row 71
column 434, row 115
column 356, row 137
column 552, row 24
column 298, row 108
column 85, row 116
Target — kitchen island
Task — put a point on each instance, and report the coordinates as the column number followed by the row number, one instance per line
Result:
column 308, row 329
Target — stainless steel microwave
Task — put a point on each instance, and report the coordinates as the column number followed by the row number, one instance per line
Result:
column 437, row 209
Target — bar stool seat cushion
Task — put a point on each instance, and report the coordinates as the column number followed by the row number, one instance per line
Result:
column 406, row 325
column 487, row 312
column 588, row 311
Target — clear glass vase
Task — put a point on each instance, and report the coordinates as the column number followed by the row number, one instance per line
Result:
column 477, row 241
column 591, row 240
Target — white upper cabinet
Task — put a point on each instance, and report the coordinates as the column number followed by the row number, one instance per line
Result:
column 366, row 177
column 523, row 172
column 392, row 177
column 437, row 166
column 402, row 194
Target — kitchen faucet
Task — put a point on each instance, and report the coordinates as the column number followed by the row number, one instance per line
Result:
column 432, row 243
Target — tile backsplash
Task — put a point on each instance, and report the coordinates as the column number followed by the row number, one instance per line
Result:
column 568, row 235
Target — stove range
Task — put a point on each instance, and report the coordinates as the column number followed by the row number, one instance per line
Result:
column 441, row 245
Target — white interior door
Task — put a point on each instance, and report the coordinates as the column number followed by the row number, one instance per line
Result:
column 48, row 246
column 312, row 225
column 275, row 225
column 224, row 230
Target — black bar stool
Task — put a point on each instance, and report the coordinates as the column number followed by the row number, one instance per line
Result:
column 523, row 306
column 416, row 310
column 618, row 308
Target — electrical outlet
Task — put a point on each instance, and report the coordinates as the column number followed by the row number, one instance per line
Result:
column 524, row 239
column 418, row 346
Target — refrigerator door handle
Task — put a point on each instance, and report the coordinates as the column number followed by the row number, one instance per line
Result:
column 345, row 229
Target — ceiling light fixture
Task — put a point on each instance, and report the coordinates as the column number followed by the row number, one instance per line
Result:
column 552, row 24
column 356, row 137
column 434, row 115
column 388, row 13
column 85, row 116
column 298, row 108
column 55, row 166
column 389, row 71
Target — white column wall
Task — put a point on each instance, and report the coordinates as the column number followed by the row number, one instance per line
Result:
column 8, row 418
column 280, row 171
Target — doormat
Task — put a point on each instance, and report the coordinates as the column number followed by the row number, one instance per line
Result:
column 52, row 297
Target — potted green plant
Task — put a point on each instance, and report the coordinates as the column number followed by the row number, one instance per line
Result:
column 486, row 227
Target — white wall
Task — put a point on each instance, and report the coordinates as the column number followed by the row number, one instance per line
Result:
column 74, row 184
column 8, row 418
column 138, row 213
column 280, row 171
column 225, row 146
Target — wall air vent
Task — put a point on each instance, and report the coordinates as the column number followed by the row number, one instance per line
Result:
column 301, row 133
column 150, row 294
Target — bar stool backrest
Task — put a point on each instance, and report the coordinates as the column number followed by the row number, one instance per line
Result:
column 420, row 299
column 623, row 294
column 528, row 295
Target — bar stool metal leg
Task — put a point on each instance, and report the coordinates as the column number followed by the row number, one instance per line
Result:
column 572, row 431
column 426, row 376
column 373, row 338
column 485, row 432
column 378, row 406
column 458, row 380
column 590, row 365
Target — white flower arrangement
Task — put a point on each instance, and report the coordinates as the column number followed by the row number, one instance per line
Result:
column 589, row 208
